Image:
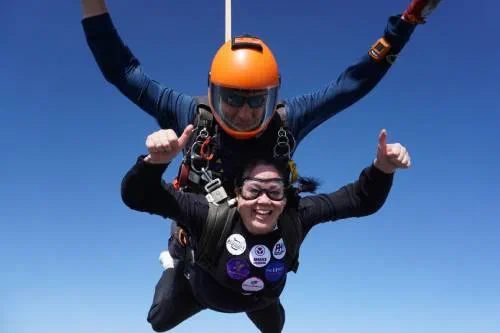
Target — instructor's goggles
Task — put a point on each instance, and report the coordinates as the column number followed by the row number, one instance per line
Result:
column 236, row 100
column 253, row 188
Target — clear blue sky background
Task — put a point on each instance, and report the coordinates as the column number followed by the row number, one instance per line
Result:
column 76, row 259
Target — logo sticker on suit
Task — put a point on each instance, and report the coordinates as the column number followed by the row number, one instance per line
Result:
column 279, row 249
column 236, row 244
column 252, row 284
column 260, row 255
column 238, row 269
column 275, row 271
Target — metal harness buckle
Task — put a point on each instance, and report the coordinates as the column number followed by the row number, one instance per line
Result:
column 215, row 192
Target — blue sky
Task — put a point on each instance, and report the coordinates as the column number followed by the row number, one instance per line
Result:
column 76, row 259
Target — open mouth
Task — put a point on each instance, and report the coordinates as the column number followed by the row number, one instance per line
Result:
column 262, row 213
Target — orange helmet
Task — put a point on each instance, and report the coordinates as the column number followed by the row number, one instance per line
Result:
column 243, row 86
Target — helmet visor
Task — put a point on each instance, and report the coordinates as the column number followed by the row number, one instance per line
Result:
column 243, row 110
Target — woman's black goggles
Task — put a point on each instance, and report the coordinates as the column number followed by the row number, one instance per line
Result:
column 252, row 188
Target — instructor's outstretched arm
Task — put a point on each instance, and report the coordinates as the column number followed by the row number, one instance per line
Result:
column 306, row 112
column 122, row 69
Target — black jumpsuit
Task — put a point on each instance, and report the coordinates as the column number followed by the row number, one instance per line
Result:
column 251, row 273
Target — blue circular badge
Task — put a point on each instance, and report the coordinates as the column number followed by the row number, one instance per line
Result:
column 275, row 271
column 238, row 269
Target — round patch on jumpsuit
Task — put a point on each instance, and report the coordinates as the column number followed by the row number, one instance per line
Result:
column 279, row 249
column 252, row 284
column 236, row 244
column 275, row 271
column 260, row 255
column 238, row 269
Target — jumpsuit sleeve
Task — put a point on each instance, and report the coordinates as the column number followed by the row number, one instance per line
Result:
column 306, row 112
column 360, row 198
column 122, row 69
column 143, row 190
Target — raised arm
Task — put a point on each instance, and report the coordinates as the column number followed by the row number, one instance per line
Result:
column 120, row 67
column 363, row 197
column 144, row 190
column 304, row 113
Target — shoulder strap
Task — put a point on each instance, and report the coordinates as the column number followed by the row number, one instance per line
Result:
column 202, row 100
column 291, row 230
column 204, row 116
column 219, row 223
column 281, row 110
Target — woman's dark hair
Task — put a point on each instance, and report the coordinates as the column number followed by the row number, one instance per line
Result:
column 249, row 165
column 304, row 184
column 307, row 184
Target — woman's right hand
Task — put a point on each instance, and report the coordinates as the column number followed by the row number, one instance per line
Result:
column 163, row 145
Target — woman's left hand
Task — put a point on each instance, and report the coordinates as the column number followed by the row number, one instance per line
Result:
column 391, row 156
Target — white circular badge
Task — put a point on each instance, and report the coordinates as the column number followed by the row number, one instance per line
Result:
column 279, row 249
column 260, row 255
column 236, row 244
column 252, row 284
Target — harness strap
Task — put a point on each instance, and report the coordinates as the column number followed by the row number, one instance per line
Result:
column 291, row 230
column 281, row 110
column 219, row 223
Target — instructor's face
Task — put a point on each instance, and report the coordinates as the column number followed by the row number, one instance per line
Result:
column 243, row 111
column 260, row 214
column 242, row 118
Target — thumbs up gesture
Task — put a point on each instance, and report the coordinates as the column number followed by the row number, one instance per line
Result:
column 164, row 145
column 390, row 156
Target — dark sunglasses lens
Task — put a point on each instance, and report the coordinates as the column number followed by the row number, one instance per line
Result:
column 232, row 99
column 256, row 101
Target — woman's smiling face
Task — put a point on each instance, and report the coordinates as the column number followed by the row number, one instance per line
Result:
column 256, row 206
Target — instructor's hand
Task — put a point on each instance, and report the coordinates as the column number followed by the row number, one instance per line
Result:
column 163, row 145
column 391, row 156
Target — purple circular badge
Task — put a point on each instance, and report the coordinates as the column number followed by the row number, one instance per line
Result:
column 238, row 269
column 275, row 271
